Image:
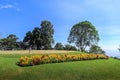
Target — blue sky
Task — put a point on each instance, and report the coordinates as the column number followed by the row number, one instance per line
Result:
column 19, row 16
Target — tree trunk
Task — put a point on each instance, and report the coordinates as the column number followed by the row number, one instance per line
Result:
column 82, row 50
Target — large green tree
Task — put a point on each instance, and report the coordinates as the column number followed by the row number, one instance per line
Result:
column 33, row 39
column 9, row 42
column 40, row 37
column 37, row 41
column 47, row 32
column 28, row 39
column 83, row 34
column 12, row 39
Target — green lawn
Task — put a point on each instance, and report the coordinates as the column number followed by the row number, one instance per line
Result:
column 79, row 70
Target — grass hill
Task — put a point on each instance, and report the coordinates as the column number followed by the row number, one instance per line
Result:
column 78, row 70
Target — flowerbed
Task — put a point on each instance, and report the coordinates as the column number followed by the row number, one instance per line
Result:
column 57, row 58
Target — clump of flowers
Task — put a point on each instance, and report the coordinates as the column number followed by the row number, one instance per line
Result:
column 57, row 58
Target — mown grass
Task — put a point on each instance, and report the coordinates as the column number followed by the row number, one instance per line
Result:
column 78, row 70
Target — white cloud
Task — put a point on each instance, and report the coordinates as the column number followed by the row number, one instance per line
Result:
column 9, row 6
column 6, row 6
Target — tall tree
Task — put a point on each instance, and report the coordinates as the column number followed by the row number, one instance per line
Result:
column 28, row 40
column 83, row 34
column 40, row 37
column 37, row 38
column 47, row 32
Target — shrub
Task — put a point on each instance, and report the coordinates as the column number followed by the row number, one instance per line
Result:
column 56, row 58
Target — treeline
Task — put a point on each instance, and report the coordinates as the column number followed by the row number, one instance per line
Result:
column 40, row 38
column 60, row 46
column 83, row 34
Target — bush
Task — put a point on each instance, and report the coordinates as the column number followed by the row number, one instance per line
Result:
column 56, row 58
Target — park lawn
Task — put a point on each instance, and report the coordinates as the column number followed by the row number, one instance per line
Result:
column 78, row 70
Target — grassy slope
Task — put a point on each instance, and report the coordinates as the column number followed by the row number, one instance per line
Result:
column 80, row 70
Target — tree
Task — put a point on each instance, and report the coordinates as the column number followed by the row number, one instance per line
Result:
column 69, row 47
column 3, row 43
column 20, row 45
column 28, row 40
column 47, row 32
column 12, row 39
column 33, row 39
column 59, row 46
column 83, row 34
column 40, row 37
column 96, row 49
column 9, row 43
column 37, row 38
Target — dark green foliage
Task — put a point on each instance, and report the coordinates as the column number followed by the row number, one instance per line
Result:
column 9, row 42
column 96, row 49
column 83, row 34
column 19, row 45
column 33, row 39
column 69, row 47
column 40, row 38
column 36, row 38
column 59, row 46
column 118, row 58
column 28, row 39
column 47, row 32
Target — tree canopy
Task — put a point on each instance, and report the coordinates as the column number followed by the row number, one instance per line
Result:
column 40, row 37
column 47, row 32
column 9, row 42
column 83, row 34
column 69, row 47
